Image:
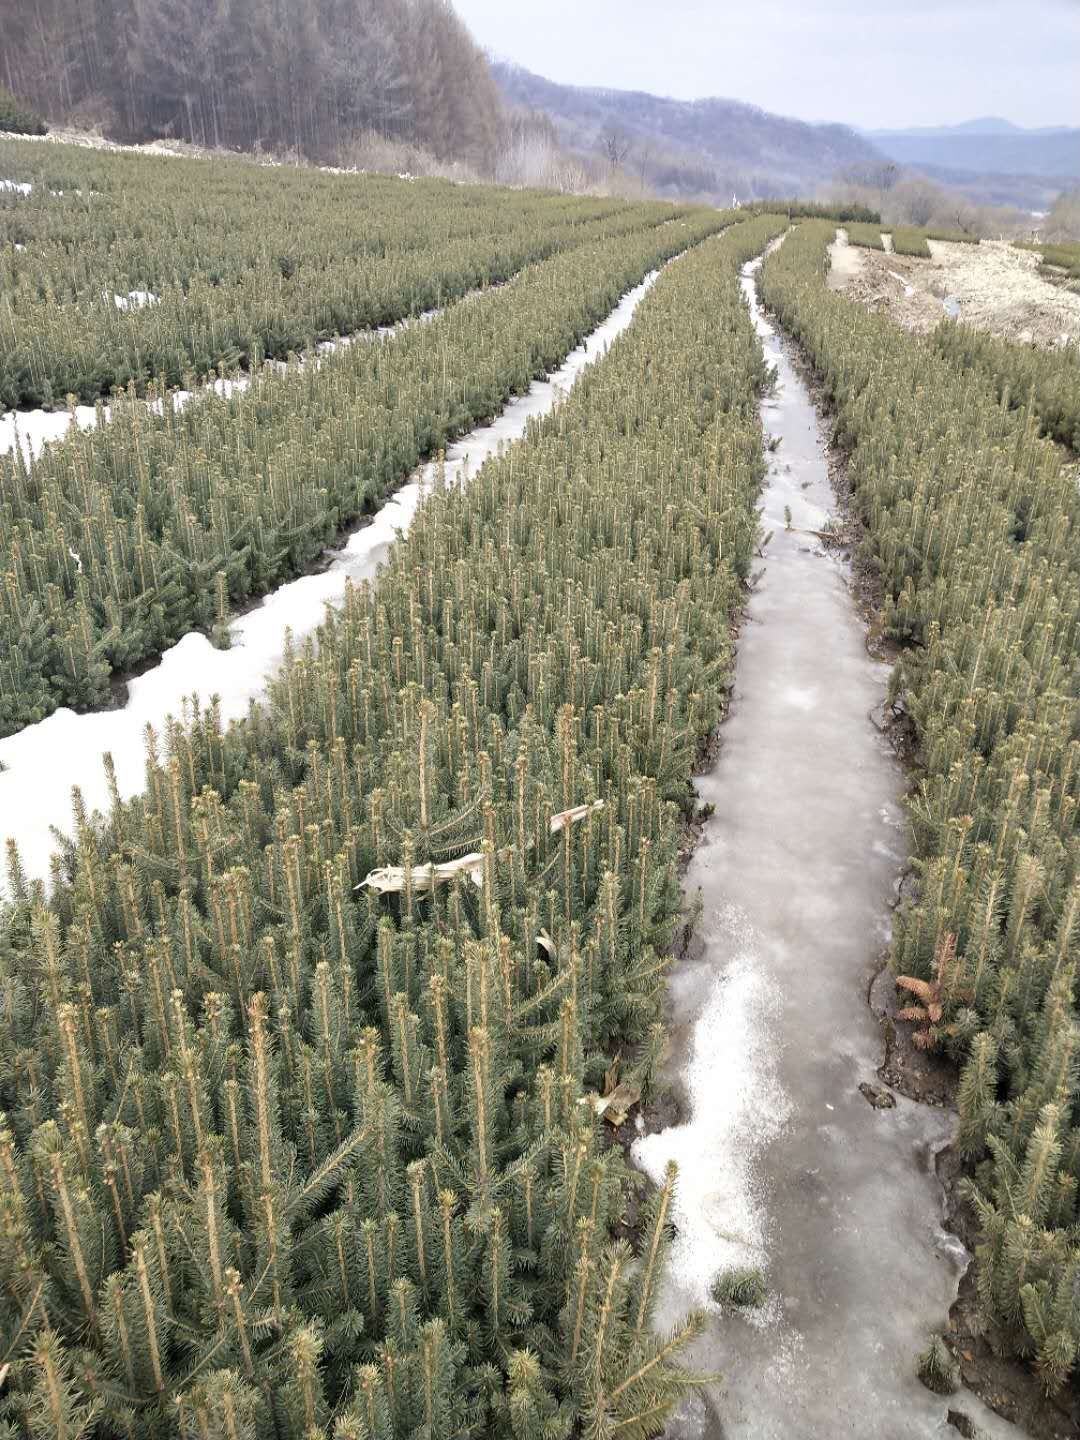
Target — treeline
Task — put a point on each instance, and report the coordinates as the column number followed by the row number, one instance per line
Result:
column 303, row 75
column 905, row 198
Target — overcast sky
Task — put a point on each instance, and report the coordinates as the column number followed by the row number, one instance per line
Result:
column 916, row 62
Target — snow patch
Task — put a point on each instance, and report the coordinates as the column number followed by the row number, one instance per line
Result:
column 134, row 300
column 22, row 187
column 738, row 1107
column 801, row 699
column 33, row 429
column 909, row 290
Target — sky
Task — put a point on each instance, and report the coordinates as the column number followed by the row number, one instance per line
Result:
column 863, row 62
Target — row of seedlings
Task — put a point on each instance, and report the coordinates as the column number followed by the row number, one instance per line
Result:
column 971, row 521
column 117, row 541
column 303, row 1059
column 1047, row 381
column 120, row 270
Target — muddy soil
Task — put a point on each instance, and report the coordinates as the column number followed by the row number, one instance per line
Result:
column 922, row 1075
column 795, row 1156
column 991, row 286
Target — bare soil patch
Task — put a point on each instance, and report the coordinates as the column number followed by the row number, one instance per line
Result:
column 845, row 262
column 991, row 286
column 922, row 1075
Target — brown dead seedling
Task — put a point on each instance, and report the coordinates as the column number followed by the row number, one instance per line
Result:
column 930, row 996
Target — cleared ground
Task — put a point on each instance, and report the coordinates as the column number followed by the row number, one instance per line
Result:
column 991, row 286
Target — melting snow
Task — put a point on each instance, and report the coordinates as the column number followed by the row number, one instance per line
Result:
column 35, row 428
column 134, row 300
column 801, row 699
column 738, row 1107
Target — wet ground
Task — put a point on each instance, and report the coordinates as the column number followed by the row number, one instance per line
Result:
column 784, row 1163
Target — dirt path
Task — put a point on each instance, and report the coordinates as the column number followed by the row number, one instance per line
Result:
column 991, row 286
column 845, row 262
column 783, row 1162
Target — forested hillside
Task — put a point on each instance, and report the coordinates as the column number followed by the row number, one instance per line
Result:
column 702, row 148
column 278, row 74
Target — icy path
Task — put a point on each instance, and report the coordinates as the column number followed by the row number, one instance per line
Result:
column 783, row 1164
column 41, row 763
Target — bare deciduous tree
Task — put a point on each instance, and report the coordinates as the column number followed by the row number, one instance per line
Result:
column 646, row 156
column 616, row 145
column 307, row 75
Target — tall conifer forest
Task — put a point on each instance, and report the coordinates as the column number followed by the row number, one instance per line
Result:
column 309, row 1048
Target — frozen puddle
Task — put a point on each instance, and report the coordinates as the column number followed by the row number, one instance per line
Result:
column 782, row 1162
column 43, row 762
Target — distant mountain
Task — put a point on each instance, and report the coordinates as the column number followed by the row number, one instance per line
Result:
column 713, row 149
column 710, row 149
column 987, row 146
column 1023, row 192
column 984, row 125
